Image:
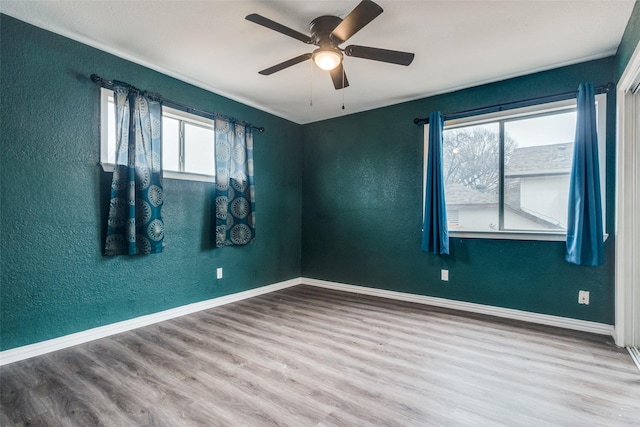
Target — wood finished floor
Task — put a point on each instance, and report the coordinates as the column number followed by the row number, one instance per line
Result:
column 308, row 356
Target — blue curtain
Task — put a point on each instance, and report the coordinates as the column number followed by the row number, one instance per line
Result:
column 235, row 192
column 584, row 224
column 435, row 234
column 135, row 224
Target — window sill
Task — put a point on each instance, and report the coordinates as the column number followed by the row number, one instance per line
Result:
column 507, row 235
column 184, row 176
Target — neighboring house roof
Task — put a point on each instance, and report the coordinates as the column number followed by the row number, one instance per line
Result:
column 534, row 218
column 553, row 159
column 458, row 194
column 539, row 161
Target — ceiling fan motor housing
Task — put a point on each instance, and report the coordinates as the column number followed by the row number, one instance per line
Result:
column 321, row 29
column 328, row 32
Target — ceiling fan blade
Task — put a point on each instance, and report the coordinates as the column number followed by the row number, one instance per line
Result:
column 376, row 54
column 364, row 13
column 272, row 25
column 339, row 77
column 285, row 64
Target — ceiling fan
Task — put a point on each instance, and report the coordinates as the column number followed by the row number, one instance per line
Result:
column 328, row 32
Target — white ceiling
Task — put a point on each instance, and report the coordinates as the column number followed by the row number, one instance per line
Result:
column 457, row 44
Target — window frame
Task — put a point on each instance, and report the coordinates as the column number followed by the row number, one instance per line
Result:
column 181, row 116
column 518, row 113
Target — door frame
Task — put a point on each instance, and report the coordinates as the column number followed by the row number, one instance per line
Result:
column 627, row 229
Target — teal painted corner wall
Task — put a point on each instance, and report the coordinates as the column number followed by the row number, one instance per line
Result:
column 53, row 197
column 362, row 210
column 629, row 41
column 337, row 200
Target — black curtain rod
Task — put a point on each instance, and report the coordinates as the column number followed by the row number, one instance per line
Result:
column 109, row 84
column 513, row 104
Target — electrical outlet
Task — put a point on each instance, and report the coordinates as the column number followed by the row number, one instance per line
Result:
column 583, row 297
column 444, row 275
column 219, row 273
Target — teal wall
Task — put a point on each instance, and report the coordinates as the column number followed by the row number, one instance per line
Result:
column 54, row 279
column 337, row 200
column 362, row 210
column 629, row 41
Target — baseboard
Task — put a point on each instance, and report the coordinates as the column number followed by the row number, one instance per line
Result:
column 43, row 347
column 508, row 313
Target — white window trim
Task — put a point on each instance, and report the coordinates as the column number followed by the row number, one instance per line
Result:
column 170, row 112
column 601, row 100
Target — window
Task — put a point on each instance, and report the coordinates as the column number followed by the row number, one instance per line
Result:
column 187, row 142
column 507, row 173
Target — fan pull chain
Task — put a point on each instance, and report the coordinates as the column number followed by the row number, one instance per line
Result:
column 311, row 85
column 343, row 89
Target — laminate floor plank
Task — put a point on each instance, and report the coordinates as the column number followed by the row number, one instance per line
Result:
column 18, row 397
column 307, row 356
column 333, row 373
column 369, row 353
column 326, row 380
column 357, row 365
column 155, row 398
column 255, row 378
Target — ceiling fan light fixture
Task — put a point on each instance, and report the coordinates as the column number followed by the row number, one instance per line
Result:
column 327, row 59
column 328, row 32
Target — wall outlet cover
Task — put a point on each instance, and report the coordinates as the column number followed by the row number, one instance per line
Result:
column 583, row 297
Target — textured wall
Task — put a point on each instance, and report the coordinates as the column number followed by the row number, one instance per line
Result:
column 629, row 41
column 357, row 178
column 362, row 210
column 53, row 199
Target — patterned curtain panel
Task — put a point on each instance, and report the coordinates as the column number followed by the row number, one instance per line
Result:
column 435, row 233
column 584, row 225
column 235, row 192
column 135, row 224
